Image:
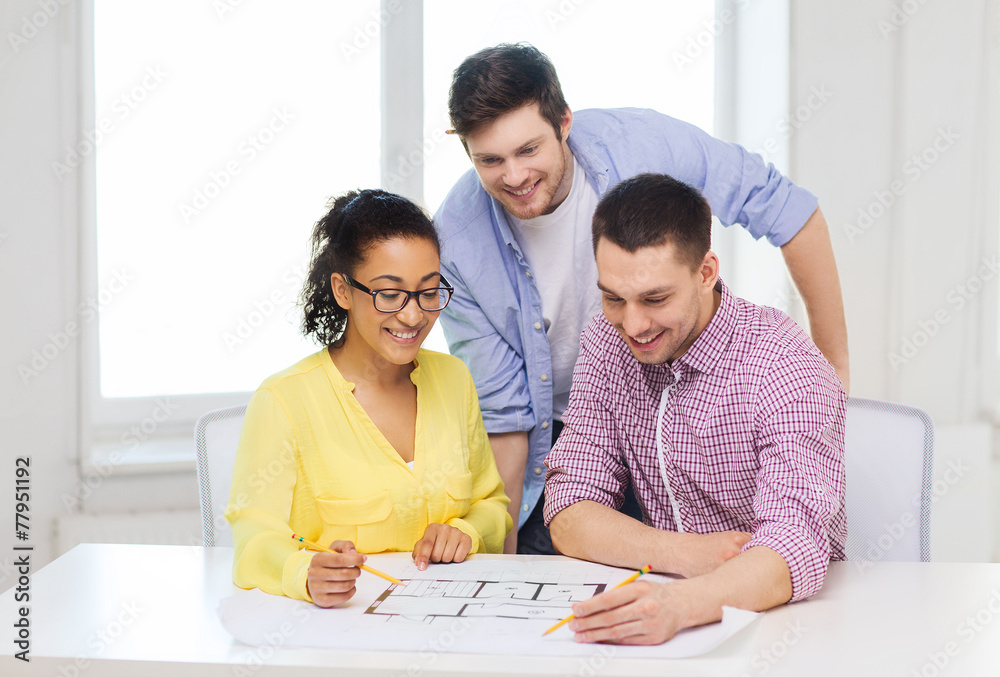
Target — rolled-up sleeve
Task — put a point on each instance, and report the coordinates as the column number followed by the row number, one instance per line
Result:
column 741, row 188
column 586, row 462
column 800, row 492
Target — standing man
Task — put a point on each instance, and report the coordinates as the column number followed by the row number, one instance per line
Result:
column 723, row 415
column 516, row 244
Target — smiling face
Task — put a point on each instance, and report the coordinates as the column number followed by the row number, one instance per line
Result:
column 521, row 163
column 654, row 300
column 389, row 338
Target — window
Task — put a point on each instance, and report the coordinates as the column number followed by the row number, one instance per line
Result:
column 226, row 132
column 213, row 134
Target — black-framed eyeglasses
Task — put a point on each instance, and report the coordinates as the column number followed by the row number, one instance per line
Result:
column 431, row 300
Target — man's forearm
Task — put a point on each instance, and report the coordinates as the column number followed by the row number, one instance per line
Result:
column 810, row 261
column 595, row 532
column 511, row 453
column 756, row 580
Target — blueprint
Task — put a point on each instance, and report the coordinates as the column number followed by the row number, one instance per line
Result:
column 488, row 604
column 491, row 594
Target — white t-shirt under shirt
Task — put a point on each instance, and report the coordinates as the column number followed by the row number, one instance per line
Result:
column 558, row 249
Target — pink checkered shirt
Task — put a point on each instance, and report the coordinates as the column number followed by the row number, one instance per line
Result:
column 752, row 432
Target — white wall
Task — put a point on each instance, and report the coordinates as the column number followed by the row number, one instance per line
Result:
column 895, row 89
column 37, row 279
column 904, row 76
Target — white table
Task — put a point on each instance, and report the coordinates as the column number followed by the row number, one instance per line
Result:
column 151, row 610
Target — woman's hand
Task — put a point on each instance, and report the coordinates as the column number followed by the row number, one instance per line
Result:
column 332, row 575
column 441, row 543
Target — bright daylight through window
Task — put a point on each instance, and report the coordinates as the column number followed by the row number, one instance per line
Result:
column 226, row 132
column 223, row 133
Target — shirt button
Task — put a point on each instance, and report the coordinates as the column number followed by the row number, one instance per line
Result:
column 545, row 377
column 538, row 471
column 525, row 507
column 545, row 425
column 538, row 325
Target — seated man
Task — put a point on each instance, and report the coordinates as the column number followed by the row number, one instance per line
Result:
column 724, row 416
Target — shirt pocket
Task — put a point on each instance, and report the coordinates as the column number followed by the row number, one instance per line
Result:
column 369, row 522
column 458, row 492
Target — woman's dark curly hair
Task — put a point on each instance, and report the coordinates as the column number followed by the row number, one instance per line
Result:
column 356, row 222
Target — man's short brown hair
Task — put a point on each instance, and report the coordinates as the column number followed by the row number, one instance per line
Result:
column 502, row 79
column 649, row 210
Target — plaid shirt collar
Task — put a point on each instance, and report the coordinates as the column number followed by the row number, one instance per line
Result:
column 706, row 353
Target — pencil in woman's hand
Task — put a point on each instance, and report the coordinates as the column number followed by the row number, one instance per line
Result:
column 317, row 546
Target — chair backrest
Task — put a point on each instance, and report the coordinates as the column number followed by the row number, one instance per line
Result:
column 216, row 436
column 890, row 459
column 889, row 456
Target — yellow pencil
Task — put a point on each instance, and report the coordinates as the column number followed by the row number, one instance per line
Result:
column 645, row 570
column 367, row 568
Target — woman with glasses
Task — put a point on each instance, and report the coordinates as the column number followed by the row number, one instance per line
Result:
column 371, row 444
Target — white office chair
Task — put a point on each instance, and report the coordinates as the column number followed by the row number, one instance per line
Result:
column 889, row 456
column 890, row 459
column 216, row 436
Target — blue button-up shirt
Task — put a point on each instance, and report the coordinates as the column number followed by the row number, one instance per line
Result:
column 494, row 321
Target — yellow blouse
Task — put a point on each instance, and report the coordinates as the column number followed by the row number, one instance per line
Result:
column 311, row 462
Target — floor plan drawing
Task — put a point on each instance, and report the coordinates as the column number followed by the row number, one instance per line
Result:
column 424, row 600
column 484, row 605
